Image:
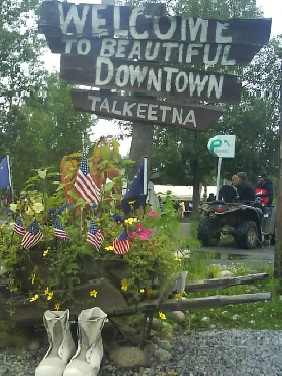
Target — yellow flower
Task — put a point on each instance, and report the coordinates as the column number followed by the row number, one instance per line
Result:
column 57, row 306
column 109, row 248
column 162, row 316
column 34, row 298
column 177, row 296
column 124, row 286
column 33, row 278
column 13, row 207
column 45, row 253
column 50, row 295
column 46, row 291
column 142, row 291
column 38, row 207
column 130, row 221
column 93, row 293
column 131, row 202
column 178, row 259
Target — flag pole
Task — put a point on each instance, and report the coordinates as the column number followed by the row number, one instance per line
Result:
column 10, row 175
column 145, row 176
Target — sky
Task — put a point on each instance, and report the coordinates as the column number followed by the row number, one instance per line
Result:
column 271, row 9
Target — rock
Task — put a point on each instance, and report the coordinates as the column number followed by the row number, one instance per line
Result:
column 128, row 356
column 162, row 343
column 34, row 345
column 162, row 356
column 177, row 316
column 167, row 333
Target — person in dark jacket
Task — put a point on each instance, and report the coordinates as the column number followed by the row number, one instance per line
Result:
column 211, row 197
column 264, row 189
column 245, row 188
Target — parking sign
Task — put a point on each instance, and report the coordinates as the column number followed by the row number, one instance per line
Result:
column 223, row 146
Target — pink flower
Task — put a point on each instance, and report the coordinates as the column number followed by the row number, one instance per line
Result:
column 132, row 235
column 139, row 228
column 144, row 235
column 153, row 214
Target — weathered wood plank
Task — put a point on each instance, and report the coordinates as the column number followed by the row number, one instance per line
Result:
column 203, row 303
column 88, row 20
column 177, row 52
column 190, row 117
column 165, row 81
column 217, row 283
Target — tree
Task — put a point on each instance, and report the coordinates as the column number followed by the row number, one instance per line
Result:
column 44, row 130
column 21, row 63
column 235, row 118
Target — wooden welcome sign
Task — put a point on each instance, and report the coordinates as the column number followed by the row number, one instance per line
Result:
column 128, row 49
column 162, row 80
column 142, row 109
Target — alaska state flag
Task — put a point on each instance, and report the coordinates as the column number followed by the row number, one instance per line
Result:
column 136, row 193
column 5, row 178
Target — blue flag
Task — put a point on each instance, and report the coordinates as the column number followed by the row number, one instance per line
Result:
column 5, row 180
column 137, row 190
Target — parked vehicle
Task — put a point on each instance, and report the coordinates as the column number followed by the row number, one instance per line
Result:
column 249, row 223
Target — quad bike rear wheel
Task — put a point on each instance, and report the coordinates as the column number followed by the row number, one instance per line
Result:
column 207, row 236
column 247, row 235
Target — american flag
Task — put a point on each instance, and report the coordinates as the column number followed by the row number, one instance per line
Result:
column 121, row 244
column 59, row 230
column 85, row 185
column 18, row 226
column 94, row 235
column 32, row 236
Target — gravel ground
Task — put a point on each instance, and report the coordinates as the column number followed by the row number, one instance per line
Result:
column 214, row 352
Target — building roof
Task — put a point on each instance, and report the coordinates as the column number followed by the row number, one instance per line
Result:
column 181, row 192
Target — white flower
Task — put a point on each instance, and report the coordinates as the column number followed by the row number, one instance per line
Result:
column 226, row 273
column 29, row 212
column 205, row 318
column 42, row 173
column 235, row 317
column 38, row 207
column 13, row 207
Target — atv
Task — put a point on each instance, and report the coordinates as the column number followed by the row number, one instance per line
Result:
column 249, row 223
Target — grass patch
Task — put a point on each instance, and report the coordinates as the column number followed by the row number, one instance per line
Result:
column 258, row 315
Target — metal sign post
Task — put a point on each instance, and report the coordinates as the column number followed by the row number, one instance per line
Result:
column 222, row 146
column 218, row 176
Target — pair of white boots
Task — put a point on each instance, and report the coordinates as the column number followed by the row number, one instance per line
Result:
column 63, row 357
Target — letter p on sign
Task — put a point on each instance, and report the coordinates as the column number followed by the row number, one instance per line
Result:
column 222, row 146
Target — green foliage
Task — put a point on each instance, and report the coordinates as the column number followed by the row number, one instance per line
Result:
column 257, row 315
column 220, row 9
column 254, row 121
column 48, row 273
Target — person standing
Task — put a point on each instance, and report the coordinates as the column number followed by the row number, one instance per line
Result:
column 264, row 189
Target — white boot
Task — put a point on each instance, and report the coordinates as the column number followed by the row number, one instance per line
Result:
column 87, row 360
column 61, row 344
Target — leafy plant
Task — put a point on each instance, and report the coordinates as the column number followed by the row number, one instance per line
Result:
column 48, row 273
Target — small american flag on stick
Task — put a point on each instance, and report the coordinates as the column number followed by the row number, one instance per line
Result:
column 59, row 230
column 85, row 185
column 121, row 244
column 18, row 226
column 32, row 236
column 94, row 235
